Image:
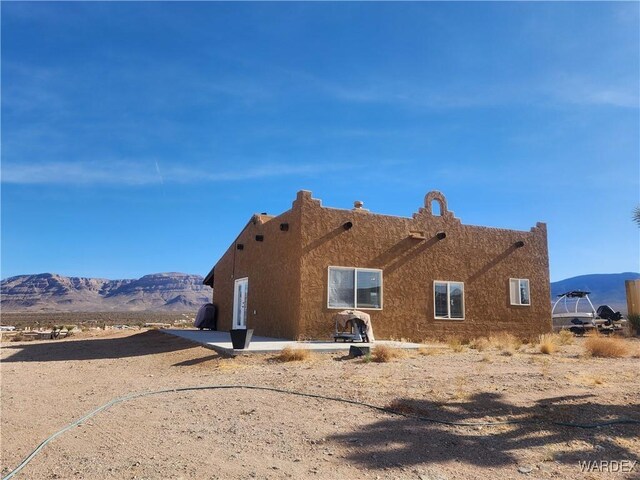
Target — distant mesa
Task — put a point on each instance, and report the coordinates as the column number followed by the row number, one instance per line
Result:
column 49, row 292
column 176, row 292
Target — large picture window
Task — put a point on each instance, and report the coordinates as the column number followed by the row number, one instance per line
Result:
column 448, row 299
column 355, row 288
column 519, row 291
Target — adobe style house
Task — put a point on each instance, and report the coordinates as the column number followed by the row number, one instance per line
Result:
column 429, row 275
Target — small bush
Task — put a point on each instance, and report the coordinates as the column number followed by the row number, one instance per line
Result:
column 480, row 344
column 565, row 337
column 455, row 344
column 292, row 354
column 385, row 353
column 598, row 346
column 424, row 350
column 548, row 343
column 506, row 342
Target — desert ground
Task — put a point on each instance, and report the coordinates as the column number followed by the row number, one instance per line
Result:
column 46, row 320
column 243, row 434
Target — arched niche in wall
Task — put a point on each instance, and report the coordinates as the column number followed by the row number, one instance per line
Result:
column 435, row 204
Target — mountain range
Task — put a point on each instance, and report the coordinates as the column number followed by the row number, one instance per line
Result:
column 605, row 288
column 49, row 292
column 177, row 292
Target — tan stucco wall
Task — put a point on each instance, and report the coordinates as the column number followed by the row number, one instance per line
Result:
column 288, row 272
column 273, row 269
column 483, row 258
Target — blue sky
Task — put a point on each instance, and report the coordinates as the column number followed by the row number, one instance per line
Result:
column 140, row 137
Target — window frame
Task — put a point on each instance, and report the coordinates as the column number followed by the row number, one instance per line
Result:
column 464, row 303
column 355, row 287
column 519, row 304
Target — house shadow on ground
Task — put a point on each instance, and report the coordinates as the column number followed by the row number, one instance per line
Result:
column 407, row 442
column 145, row 343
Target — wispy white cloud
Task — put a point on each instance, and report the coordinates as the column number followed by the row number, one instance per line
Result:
column 159, row 174
column 582, row 90
column 554, row 89
column 140, row 174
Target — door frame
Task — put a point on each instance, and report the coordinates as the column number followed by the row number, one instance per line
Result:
column 237, row 324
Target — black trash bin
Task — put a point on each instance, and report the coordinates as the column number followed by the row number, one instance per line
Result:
column 241, row 337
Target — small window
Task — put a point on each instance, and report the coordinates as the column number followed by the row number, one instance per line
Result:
column 355, row 288
column 448, row 300
column 519, row 291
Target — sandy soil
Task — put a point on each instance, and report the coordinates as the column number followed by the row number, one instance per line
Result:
column 239, row 434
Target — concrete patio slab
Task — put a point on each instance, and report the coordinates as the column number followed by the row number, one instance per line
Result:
column 221, row 342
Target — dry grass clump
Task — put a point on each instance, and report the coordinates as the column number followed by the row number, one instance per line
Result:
column 428, row 351
column 565, row 337
column 505, row 342
column 480, row 344
column 551, row 342
column 548, row 343
column 385, row 353
column 293, row 354
column 229, row 365
column 606, row 347
column 455, row 344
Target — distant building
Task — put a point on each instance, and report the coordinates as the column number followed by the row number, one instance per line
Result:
column 430, row 275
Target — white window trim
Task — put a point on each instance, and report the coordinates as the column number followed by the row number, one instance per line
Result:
column 355, row 287
column 464, row 302
column 528, row 292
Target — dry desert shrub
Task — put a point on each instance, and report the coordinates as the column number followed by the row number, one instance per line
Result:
column 548, row 343
column 385, row 353
column 292, row 354
column 506, row 342
column 599, row 346
column 480, row 344
column 565, row 337
column 455, row 344
column 551, row 342
column 427, row 351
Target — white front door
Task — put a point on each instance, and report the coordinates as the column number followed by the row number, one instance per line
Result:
column 241, row 288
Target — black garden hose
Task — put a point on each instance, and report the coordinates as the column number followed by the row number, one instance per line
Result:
column 308, row 395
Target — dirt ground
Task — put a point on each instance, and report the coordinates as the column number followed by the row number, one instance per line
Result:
column 243, row 434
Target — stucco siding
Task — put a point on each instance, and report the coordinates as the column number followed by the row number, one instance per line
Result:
column 483, row 258
column 272, row 267
column 288, row 271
